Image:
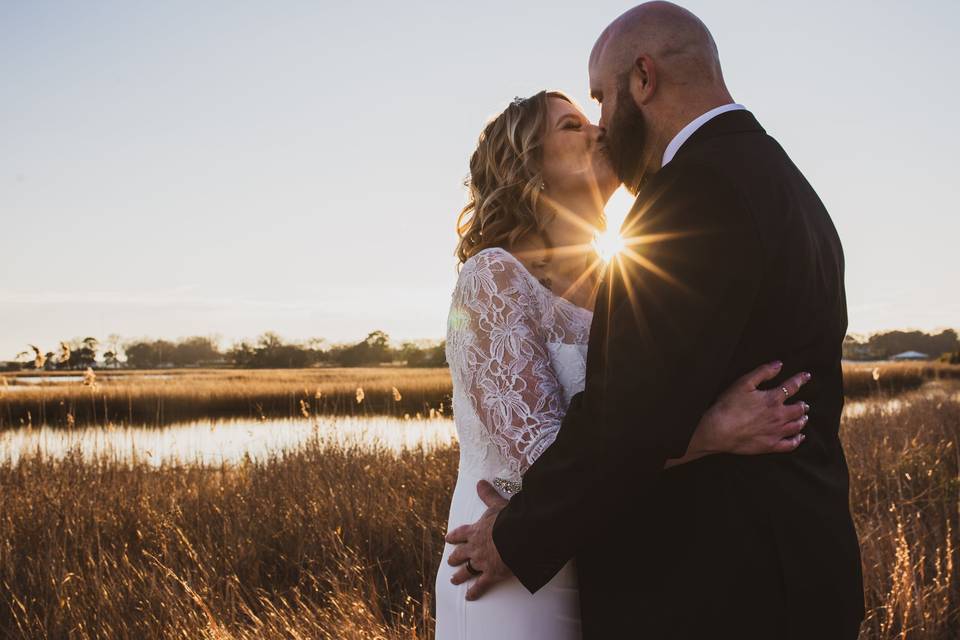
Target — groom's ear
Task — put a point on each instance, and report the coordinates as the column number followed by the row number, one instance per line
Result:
column 643, row 79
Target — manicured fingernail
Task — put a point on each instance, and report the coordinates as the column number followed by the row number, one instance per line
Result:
column 807, row 376
column 777, row 364
column 802, row 437
column 805, row 418
column 806, row 407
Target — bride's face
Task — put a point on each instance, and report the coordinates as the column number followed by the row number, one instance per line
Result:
column 575, row 158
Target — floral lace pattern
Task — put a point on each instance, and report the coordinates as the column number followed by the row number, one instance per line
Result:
column 503, row 328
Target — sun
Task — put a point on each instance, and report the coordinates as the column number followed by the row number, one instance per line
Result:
column 609, row 243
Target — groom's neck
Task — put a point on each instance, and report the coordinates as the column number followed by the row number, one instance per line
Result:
column 677, row 113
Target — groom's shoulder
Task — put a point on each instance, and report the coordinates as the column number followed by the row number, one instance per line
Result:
column 734, row 165
column 716, row 176
column 701, row 176
column 733, row 147
column 692, row 190
column 722, row 154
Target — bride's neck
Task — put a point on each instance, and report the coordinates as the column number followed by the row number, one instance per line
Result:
column 566, row 263
column 572, row 230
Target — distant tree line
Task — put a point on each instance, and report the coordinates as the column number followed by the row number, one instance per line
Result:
column 267, row 351
column 271, row 351
column 880, row 346
column 75, row 354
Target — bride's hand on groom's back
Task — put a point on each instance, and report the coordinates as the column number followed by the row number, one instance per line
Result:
column 749, row 421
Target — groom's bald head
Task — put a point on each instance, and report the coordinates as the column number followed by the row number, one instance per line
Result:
column 675, row 38
column 653, row 70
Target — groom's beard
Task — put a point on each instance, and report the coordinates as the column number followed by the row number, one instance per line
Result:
column 625, row 140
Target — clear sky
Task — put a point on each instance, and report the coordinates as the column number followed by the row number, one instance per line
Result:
column 184, row 168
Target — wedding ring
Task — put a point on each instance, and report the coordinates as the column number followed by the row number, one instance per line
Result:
column 507, row 486
column 785, row 392
column 471, row 570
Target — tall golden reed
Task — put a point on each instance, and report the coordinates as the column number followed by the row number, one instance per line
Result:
column 334, row 541
column 142, row 398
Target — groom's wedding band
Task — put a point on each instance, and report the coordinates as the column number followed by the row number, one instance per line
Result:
column 785, row 392
column 471, row 570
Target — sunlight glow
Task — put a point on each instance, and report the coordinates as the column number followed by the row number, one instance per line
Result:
column 609, row 243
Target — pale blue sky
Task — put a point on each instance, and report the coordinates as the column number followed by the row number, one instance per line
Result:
column 181, row 168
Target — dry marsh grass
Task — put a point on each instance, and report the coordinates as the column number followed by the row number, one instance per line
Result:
column 142, row 398
column 864, row 379
column 189, row 394
column 905, row 493
column 324, row 542
column 342, row 542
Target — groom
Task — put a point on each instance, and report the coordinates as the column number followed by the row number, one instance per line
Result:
column 731, row 260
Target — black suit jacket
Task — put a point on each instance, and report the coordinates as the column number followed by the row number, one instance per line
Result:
column 734, row 262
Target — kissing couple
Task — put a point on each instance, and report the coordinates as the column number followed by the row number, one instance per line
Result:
column 649, row 444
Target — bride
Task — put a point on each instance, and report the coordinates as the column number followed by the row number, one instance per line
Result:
column 517, row 338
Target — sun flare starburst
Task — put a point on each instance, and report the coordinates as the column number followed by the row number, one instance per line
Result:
column 608, row 244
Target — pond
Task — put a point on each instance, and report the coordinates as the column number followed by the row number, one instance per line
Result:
column 213, row 442
column 22, row 383
column 936, row 390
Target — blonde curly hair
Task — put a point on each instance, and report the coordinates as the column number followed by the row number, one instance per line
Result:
column 505, row 180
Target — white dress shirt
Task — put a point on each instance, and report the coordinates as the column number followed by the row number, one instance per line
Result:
column 688, row 130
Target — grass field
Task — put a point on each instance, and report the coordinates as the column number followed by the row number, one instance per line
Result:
column 334, row 541
column 140, row 397
column 862, row 380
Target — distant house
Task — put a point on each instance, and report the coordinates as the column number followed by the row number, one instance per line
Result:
column 910, row 355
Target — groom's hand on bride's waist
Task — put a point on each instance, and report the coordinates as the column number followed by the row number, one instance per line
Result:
column 476, row 554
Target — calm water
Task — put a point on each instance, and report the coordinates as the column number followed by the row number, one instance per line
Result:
column 213, row 442
column 936, row 390
column 216, row 441
column 30, row 380
column 22, row 383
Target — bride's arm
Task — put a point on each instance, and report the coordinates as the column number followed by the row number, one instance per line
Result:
column 749, row 421
column 506, row 369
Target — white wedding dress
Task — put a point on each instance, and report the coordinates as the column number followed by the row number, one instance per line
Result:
column 517, row 354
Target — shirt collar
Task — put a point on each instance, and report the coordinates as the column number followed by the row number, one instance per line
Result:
column 688, row 130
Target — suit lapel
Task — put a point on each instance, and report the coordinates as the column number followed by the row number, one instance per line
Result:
column 731, row 122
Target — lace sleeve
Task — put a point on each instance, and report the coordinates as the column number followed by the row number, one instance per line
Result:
column 505, row 367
